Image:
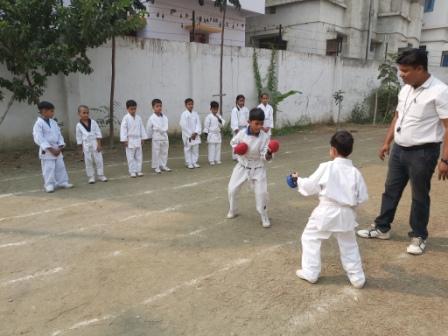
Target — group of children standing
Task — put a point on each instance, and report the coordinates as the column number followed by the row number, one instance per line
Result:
column 133, row 134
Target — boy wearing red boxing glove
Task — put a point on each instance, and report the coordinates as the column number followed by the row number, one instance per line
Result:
column 252, row 148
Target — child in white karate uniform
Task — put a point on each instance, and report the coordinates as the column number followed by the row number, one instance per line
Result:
column 268, row 113
column 133, row 135
column 212, row 127
column 251, row 165
column 341, row 188
column 88, row 135
column 191, row 131
column 239, row 117
column 48, row 137
column 157, row 129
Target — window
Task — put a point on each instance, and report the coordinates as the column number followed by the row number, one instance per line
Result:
column 199, row 37
column 272, row 10
column 429, row 5
column 269, row 42
column 444, row 62
column 334, row 47
column 422, row 47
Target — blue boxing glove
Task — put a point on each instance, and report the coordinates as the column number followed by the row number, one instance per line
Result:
column 291, row 181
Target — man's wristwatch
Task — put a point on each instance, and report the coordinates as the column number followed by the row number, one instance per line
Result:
column 444, row 161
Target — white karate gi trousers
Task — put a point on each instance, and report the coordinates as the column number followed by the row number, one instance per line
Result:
column 92, row 156
column 214, row 152
column 54, row 172
column 159, row 152
column 348, row 248
column 258, row 180
column 191, row 154
column 135, row 158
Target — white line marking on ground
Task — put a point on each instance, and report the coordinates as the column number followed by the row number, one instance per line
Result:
column 46, row 211
column 20, row 243
column 32, row 276
column 92, row 321
column 20, row 193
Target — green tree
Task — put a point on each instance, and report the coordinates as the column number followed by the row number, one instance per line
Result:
column 34, row 46
column 276, row 97
column 97, row 21
column 390, row 85
column 338, row 97
column 41, row 38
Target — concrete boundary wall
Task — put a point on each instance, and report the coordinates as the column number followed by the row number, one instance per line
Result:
column 173, row 71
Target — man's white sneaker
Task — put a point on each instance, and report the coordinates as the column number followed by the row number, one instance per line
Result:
column 373, row 232
column 231, row 215
column 265, row 221
column 300, row 274
column 166, row 169
column 190, row 167
column 196, row 165
column 133, row 175
column 140, row 174
column 49, row 189
column 212, row 163
column 102, row 178
column 91, row 180
column 157, row 171
column 417, row 246
column 66, row 185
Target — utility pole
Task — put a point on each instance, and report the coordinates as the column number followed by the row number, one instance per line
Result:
column 193, row 19
column 369, row 29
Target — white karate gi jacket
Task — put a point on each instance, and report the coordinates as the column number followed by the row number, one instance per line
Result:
column 87, row 139
column 157, row 127
column 239, row 118
column 341, row 188
column 268, row 115
column 213, row 128
column 258, row 147
column 132, row 131
column 190, row 123
column 46, row 136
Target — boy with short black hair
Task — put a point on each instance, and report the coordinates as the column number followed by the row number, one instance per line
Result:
column 252, row 147
column 88, row 135
column 191, row 131
column 47, row 135
column 212, row 127
column 133, row 135
column 341, row 188
column 157, row 129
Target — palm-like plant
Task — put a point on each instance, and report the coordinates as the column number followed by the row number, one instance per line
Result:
column 271, row 88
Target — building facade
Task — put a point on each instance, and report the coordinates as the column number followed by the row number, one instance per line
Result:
column 187, row 21
column 435, row 32
column 361, row 29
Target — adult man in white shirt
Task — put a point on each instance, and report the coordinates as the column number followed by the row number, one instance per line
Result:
column 418, row 128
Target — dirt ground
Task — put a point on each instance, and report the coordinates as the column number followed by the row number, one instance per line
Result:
column 156, row 256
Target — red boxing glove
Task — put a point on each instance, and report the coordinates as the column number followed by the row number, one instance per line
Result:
column 273, row 146
column 241, row 148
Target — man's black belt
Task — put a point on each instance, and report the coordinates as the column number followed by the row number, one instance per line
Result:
column 430, row 145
